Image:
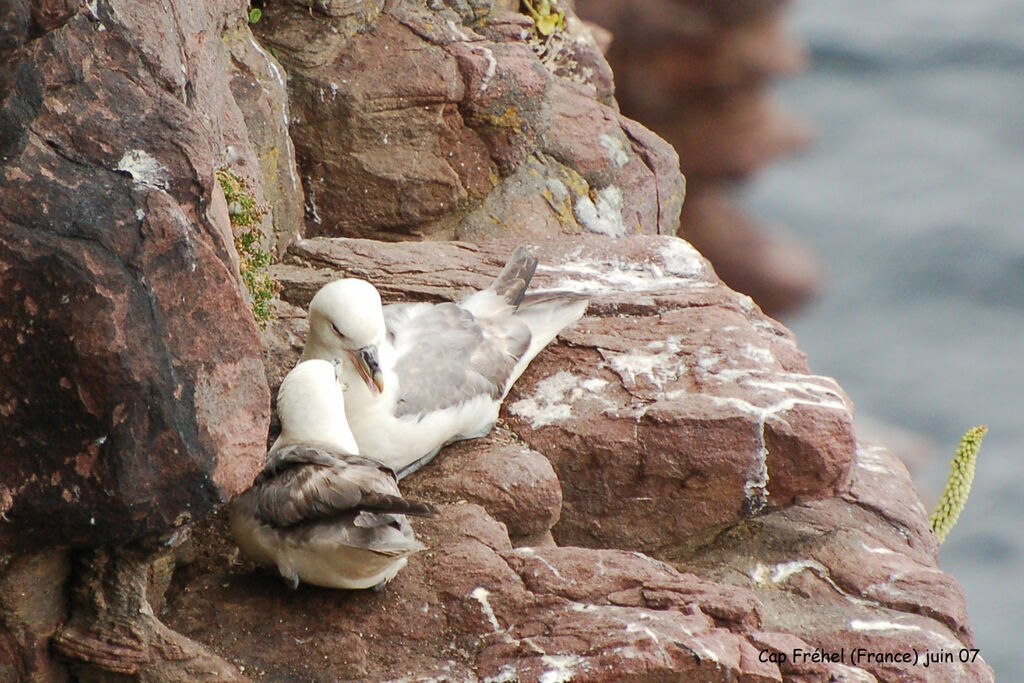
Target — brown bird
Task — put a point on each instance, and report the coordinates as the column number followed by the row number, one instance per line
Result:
column 320, row 512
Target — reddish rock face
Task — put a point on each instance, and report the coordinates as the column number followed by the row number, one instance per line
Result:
column 673, row 393
column 699, row 74
column 471, row 608
column 132, row 390
column 409, row 124
column 516, row 485
column 678, row 421
column 259, row 95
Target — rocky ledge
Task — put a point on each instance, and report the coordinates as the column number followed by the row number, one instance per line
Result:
column 670, row 493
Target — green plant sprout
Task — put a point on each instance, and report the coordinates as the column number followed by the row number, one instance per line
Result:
column 547, row 18
column 255, row 14
column 253, row 260
column 958, row 485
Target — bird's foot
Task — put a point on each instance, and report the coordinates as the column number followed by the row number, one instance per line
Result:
column 290, row 576
column 416, row 464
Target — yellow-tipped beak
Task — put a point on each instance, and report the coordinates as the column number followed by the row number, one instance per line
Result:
column 368, row 365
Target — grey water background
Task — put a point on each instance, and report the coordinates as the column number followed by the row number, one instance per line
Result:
column 914, row 196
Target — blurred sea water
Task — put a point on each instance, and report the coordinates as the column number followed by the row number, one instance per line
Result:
column 914, row 196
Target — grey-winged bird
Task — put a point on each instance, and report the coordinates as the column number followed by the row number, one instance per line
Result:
column 320, row 512
column 421, row 375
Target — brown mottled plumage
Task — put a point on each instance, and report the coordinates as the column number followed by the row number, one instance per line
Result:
column 317, row 512
column 305, row 483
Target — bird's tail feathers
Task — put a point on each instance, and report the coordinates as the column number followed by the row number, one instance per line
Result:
column 410, row 547
column 553, row 297
column 514, row 278
column 507, row 291
column 388, row 504
column 546, row 314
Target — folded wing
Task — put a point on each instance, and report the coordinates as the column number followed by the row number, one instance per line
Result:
column 446, row 356
column 303, row 483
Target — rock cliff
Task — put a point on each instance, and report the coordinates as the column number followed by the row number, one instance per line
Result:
column 134, row 398
column 462, row 122
column 699, row 74
column 670, row 493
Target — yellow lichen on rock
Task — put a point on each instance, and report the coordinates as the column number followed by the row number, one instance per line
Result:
column 547, row 18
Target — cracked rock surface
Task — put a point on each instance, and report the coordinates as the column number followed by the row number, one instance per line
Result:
column 133, row 396
column 670, row 492
column 706, row 493
column 132, row 389
column 412, row 123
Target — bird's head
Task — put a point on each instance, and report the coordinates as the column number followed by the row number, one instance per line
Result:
column 311, row 406
column 346, row 321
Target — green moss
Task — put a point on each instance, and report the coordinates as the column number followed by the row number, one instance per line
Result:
column 958, row 485
column 242, row 206
column 253, row 260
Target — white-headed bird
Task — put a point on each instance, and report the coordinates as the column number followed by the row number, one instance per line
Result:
column 320, row 512
column 420, row 375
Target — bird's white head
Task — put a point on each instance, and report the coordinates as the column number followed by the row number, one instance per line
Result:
column 346, row 321
column 311, row 406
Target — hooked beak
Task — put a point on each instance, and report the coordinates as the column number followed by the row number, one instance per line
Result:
column 368, row 365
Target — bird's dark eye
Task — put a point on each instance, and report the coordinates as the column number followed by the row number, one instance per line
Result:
column 337, row 331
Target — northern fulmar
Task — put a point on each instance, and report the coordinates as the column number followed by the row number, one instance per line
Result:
column 320, row 512
column 421, row 375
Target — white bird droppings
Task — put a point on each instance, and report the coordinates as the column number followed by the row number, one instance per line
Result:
column 861, row 625
column 554, row 397
column 603, row 215
column 143, row 168
column 561, row 668
column 481, row 595
column 616, row 152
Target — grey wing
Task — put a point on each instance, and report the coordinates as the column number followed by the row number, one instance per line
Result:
column 445, row 356
column 308, row 483
column 382, row 534
column 293, row 455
